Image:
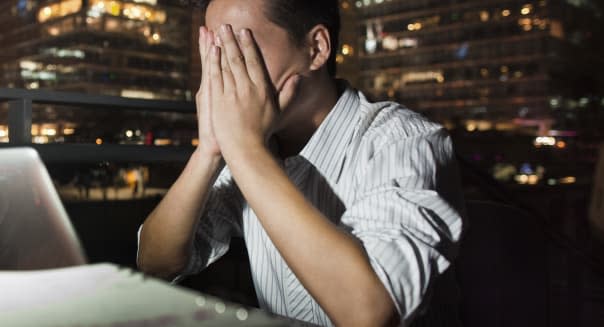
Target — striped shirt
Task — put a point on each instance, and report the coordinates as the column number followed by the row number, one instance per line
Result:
column 378, row 171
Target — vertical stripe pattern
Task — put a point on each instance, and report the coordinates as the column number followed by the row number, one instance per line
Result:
column 379, row 171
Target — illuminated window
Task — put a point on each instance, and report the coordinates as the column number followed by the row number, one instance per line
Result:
column 155, row 38
column 526, row 9
column 3, row 131
column 137, row 94
column 63, row 8
column 370, row 45
column 132, row 11
column 407, row 42
column 390, row 43
column 370, row 42
column 347, row 50
column 114, row 8
column 526, row 24
column 414, row 26
column 149, row 2
column 427, row 76
column 113, row 25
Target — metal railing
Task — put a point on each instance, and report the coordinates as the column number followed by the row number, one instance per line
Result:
column 20, row 104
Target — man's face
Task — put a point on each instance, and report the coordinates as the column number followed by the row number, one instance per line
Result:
column 282, row 57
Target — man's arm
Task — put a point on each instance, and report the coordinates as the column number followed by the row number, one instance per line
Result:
column 331, row 264
column 166, row 235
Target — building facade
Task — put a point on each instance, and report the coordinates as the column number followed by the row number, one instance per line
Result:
column 129, row 48
column 136, row 48
column 480, row 65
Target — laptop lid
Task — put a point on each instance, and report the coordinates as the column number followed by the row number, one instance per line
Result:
column 35, row 231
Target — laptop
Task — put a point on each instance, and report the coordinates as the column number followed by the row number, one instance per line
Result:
column 35, row 231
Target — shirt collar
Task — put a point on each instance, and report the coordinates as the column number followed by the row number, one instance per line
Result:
column 325, row 149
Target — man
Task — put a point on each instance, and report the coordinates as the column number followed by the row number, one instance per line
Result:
column 349, row 209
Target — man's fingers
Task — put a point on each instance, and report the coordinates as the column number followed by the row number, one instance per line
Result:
column 206, row 41
column 227, row 74
column 232, row 54
column 203, row 33
column 216, row 82
column 253, row 58
column 205, row 64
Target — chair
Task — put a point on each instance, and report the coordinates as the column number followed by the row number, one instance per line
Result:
column 502, row 268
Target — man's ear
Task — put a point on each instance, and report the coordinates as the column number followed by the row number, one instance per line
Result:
column 320, row 46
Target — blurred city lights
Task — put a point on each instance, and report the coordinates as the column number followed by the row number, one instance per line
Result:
column 522, row 179
column 40, row 139
column 561, row 144
column 567, row 180
column 49, row 131
column 545, row 141
column 526, row 9
column 162, row 142
column 347, row 50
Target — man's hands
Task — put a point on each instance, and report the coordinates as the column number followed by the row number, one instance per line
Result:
column 237, row 103
column 242, row 98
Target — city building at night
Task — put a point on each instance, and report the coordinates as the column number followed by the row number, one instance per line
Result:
column 126, row 48
column 482, row 65
column 135, row 48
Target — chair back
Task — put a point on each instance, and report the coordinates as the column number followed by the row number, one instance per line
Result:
column 502, row 268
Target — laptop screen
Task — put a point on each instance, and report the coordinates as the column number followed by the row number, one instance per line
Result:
column 35, row 232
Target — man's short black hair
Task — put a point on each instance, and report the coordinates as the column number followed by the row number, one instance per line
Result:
column 298, row 17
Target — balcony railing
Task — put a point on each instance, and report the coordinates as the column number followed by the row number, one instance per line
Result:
column 20, row 104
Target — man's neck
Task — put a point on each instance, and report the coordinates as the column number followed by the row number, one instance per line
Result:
column 316, row 102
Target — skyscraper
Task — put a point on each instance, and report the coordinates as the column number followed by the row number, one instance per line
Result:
column 129, row 48
column 136, row 48
column 481, row 65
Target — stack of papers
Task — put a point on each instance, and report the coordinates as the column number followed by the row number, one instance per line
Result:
column 105, row 295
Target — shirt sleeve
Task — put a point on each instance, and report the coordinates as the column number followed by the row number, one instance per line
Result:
column 220, row 220
column 408, row 214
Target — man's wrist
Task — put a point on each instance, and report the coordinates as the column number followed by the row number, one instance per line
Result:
column 245, row 153
column 201, row 161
